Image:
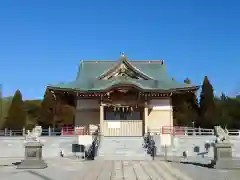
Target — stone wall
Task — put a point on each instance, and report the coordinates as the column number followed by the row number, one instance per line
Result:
column 194, row 145
column 13, row 147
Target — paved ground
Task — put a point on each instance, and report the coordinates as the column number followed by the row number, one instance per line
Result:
column 204, row 173
column 66, row 169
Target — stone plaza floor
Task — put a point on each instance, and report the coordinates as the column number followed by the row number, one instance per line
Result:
column 67, row 169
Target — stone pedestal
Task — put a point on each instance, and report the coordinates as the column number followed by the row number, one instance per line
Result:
column 223, row 157
column 33, row 157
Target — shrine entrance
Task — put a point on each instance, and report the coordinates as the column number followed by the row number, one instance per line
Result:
column 123, row 121
column 123, row 128
column 123, row 113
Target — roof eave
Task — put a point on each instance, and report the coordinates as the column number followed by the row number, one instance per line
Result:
column 193, row 88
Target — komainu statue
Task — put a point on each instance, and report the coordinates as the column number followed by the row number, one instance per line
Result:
column 34, row 134
column 221, row 134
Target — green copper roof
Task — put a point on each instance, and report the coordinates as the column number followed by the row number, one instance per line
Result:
column 90, row 71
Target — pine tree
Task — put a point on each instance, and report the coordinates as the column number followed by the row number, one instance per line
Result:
column 16, row 119
column 208, row 110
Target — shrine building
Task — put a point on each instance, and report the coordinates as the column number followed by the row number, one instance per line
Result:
column 124, row 97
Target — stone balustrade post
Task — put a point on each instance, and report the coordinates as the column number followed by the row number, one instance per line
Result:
column 62, row 131
column 194, row 133
column 23, row 132
column 146, row 117
column 49, row 131
column 185, row 131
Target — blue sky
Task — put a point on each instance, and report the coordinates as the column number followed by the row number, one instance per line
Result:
column 42, row 42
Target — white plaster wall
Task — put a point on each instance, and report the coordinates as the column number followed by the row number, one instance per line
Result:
column 87, row 104
column 160, row 104
column 159, row 114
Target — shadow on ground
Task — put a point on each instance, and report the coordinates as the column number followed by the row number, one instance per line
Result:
column 13, row 164
column 16, row 163
column 28, row 171
column 210, row 165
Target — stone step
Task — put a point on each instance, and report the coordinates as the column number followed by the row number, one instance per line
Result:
column 122, row 153
column 121, row 157
column 131, row 158
column 120, row 148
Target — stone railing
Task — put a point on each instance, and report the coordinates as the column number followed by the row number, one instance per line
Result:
column 189, row 131
column 82, row 130
column 64, row 131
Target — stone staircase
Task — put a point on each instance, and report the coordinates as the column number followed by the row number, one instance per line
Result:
column 193, row 145
column 122, row 148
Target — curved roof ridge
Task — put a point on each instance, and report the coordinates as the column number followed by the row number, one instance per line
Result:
column 124, row 59
column 138, row 61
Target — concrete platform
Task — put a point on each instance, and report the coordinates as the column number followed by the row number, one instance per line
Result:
column 62, row 169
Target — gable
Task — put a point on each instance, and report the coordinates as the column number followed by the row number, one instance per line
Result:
column 124, row 69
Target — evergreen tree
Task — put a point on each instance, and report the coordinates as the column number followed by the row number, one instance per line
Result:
column 185, row 114
column 207, row 111
column 66, row 115
column 193, row 102
column 187, row 81
column 185, row 109
column 32, row 109
column 55, row 112
column 223, row 97
column 16, row 119
column 47, row 109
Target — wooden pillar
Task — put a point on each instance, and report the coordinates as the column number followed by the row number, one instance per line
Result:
column 101, row 119
column 146, row 117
